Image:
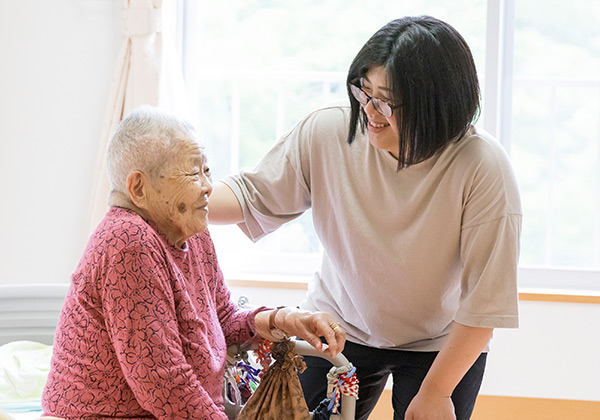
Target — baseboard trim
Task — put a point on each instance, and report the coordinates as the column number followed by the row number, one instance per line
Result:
column 490, row 407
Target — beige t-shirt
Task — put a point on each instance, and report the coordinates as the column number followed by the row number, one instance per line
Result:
column 406, row 252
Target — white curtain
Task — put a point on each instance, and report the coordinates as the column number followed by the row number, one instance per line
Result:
column 148, row 71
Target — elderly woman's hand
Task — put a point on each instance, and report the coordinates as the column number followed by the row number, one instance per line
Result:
column 309, row 326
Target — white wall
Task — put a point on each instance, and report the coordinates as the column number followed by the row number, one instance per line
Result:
column 57, row 59
column 56, row 63
column 554, row 353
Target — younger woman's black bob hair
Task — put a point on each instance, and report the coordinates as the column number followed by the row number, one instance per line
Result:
column 433, row 80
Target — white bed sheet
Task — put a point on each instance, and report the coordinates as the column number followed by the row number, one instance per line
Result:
column 17, row 413
column 32, row 415
column 28, row 313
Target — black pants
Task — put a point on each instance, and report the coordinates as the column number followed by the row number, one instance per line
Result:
column 373, row 366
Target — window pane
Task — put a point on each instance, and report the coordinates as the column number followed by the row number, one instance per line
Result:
column 254, row 68
column 556, row 131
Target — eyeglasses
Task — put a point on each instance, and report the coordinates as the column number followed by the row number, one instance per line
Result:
column 382, row 107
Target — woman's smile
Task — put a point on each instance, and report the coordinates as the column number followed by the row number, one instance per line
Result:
column 376, row 127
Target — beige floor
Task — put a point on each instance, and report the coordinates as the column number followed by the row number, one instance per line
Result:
column 511, row 408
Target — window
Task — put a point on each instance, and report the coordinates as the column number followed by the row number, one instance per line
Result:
column 555, row 134
column 254, row 68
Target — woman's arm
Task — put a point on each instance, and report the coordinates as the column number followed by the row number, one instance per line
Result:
column 223, row 206
column 462, row 348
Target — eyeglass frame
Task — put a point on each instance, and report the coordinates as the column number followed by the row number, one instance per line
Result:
column 379, row 104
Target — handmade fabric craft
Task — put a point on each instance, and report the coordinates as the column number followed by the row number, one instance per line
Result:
column 279, row 395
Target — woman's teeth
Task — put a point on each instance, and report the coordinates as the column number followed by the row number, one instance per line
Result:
column 377, row 125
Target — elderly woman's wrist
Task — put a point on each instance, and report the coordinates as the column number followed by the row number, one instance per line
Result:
column 266, row 325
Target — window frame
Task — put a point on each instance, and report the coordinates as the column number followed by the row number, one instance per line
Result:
column 497, row 115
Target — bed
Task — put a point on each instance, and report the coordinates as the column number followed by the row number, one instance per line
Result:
column 28, row 318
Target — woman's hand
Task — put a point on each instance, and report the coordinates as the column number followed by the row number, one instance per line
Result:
column 428, row 405
column 461, row 349
column 309, row 326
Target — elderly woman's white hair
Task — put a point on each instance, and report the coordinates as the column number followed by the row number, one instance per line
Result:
column 146, row 139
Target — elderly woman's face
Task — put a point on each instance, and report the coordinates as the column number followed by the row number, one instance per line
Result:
column 178, row 199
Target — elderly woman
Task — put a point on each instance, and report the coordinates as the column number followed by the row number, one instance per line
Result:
column 145, row 325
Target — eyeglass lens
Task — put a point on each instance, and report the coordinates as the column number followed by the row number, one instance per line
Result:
column 381, row 107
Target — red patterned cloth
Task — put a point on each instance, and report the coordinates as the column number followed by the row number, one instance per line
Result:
column 144, row 328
